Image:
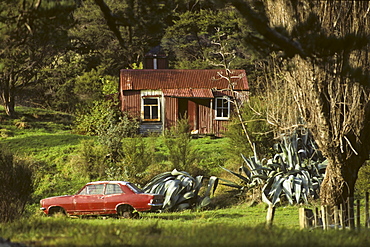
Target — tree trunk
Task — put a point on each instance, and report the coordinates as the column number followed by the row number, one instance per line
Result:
column 9, row 108
column 8, row 96
column 340, row 179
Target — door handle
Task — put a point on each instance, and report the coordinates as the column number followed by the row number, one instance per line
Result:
column 102, row 197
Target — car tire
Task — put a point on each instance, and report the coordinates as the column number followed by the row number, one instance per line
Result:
column 125, row 211
column 57, row 211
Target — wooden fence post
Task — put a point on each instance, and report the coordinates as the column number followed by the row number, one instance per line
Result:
column 306, row 218
column 336, row 224
column 341, row 216
column 350, row 213
column 324, row 217
column 270, row 215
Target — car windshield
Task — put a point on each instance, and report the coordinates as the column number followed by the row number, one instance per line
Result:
column 134, row 188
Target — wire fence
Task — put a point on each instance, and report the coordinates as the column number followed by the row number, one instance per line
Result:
column 345, row 216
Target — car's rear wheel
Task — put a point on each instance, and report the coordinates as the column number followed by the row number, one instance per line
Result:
column 56, row 211
column 125, row 211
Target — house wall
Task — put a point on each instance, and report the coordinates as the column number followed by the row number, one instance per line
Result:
column 207, row 122
column 206, row 116
column 131, row 102
column 171, row 108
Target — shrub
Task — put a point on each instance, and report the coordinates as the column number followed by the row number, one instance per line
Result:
column 260, row 132
column 296, row 171
column 181, row 190
column 138, row 155
column 93, row 160
column 177, row 139
column 16, row 185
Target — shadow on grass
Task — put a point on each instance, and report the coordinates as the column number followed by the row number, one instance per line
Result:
column 40, row 142
column 193, row 216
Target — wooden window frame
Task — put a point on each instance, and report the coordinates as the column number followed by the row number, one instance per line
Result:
column 219, row 109
column 151, row 106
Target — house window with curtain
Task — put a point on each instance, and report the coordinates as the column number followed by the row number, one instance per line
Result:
column 222, row 108
column 151, row 109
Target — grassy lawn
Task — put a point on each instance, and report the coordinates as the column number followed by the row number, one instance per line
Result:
column 239, row 225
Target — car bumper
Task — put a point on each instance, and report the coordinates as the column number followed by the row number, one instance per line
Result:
column 155, row 206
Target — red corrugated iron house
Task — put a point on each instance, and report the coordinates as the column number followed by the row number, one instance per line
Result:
column 159, row 97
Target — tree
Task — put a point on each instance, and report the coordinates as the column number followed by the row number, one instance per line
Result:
column 31, row 34
column 325, row 47
column 190, row 39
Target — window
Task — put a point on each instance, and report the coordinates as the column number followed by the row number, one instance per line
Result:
column 151, row 110
column 93, row 189
column 222, row 107
column 113, row 189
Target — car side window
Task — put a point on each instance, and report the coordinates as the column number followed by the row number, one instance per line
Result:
column 93, row 189
column 113, row 189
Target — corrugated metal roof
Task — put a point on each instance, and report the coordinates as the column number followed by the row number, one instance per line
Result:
column 175, row 79
column 188, row 93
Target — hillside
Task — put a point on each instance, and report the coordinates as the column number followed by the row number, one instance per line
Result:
column 63, row 161
column 36, row 131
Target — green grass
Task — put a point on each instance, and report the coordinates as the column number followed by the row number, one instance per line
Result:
column 236, row 226
column 41, row 134
column 46, row 136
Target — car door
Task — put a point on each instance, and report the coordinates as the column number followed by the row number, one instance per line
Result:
column 90, row 200
column 113, row 196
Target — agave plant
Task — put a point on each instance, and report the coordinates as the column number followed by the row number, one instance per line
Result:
column 296, row 171
column 181, row 190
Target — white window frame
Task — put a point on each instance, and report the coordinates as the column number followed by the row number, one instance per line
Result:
column 143, row 105
column 221, row 108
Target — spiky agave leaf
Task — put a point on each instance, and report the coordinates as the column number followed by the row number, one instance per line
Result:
column 287, row 173
column 180, row 189
column 230, row 183
column 287, row 188
column 244, row 179
column 212, row 186
column 171, row 196
column 297, row 188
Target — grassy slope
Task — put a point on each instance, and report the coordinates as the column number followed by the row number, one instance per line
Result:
column 47, row 137
column 39, row 133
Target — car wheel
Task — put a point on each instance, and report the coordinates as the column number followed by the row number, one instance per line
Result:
column 125, row 211
column 57, row 211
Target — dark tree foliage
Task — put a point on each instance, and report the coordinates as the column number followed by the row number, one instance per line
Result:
column 32, row 33
column 191, row 39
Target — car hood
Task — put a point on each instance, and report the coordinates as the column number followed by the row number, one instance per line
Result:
column 56, row 197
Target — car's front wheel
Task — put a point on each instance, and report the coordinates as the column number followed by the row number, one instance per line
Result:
column 56, row 211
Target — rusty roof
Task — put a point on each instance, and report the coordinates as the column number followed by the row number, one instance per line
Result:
column 155, row 79
column 188, row 93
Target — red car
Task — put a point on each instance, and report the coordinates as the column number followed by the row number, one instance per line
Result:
column 104, row 198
